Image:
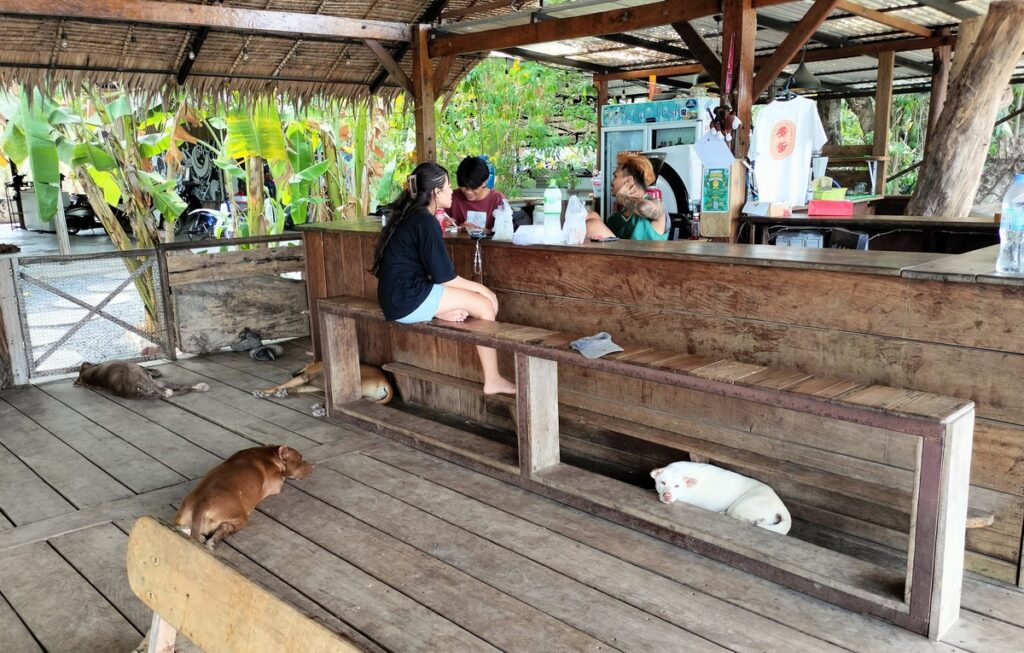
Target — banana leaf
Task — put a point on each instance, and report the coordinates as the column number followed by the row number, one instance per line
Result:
column 300, row 155
column 154, row 144
column 120, row 107
column 14, row 142
column 165, row 197
column 42, row 155
column 256, row 133
column 359, row 146
column 311, row 173
column 108, row 184
column 233, row 169
column 88, row 154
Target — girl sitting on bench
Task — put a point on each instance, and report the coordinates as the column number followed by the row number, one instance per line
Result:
column 416, row 279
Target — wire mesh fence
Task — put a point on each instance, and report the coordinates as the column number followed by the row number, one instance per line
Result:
column 94, row 307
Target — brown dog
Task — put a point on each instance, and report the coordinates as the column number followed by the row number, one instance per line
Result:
column 375, row 386
column 131, row 381
column 227, row 495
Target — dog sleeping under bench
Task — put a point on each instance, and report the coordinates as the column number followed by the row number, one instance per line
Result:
column 924, row 597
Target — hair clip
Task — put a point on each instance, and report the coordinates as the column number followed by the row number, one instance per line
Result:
column 412, row 186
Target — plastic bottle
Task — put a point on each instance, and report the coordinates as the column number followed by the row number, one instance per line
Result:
column 552, row 214
column 1011, row 229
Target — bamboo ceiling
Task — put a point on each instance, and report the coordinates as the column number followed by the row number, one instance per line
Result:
column 212, row 61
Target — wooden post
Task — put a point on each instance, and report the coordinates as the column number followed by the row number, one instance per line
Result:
column 883, row 107
column 536, row 413
column 739, row 23
column 966, row 37
column 340, row 351
column 602, row 99
column 951, row 171
column 951, row 526
column 423, row 96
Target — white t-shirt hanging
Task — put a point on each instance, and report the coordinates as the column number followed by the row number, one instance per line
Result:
column 786, row 132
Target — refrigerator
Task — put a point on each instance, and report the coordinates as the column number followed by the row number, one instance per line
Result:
column 668, row 128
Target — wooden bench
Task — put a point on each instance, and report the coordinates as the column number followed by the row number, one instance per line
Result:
column 924, row 598
column 193, row 592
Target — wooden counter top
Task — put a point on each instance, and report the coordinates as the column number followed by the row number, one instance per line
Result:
column 972, row 267
column 899, row 220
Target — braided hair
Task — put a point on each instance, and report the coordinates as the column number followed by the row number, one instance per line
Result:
column 419, row 190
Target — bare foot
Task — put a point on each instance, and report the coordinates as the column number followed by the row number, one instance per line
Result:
column 454, row 315
column 501, row 385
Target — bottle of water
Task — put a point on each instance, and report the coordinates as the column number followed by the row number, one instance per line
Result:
column 1011, row 229
column 552, row 214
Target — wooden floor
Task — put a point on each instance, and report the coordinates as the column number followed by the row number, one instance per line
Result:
column 403, row 551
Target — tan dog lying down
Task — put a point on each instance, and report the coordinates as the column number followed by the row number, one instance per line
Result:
column 721, row 490
column 222, row 502
column 131, row 381
column 375, row 386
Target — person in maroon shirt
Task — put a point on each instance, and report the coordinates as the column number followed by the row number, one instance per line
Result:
column 473, row 193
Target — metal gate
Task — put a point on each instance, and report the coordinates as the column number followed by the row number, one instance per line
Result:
column 91, row 307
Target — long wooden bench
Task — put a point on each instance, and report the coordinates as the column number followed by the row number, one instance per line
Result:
column 924, row 599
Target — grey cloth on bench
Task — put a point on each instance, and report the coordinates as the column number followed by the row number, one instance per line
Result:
column 595, row 346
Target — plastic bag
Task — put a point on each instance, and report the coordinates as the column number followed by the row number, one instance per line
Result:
column 529, row 234
column 503, row 228
column 574, row 231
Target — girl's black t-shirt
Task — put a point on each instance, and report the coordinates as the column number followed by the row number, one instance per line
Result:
column 413, row 261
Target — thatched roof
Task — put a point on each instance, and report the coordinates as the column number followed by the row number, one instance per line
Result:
column 151, row 57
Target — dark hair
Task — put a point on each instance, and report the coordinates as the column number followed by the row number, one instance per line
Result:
column 638, row 167
column 472, row 172
column 419, row 190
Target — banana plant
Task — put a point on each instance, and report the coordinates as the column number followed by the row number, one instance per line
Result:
column 31, row 139
column 255, row 135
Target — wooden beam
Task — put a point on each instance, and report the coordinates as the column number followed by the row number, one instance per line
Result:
column 883, row 107
column 536, row 413
column 194, row 47
column 441, row 68
column 555, row 60
column 423, row 95
column 966, row 37
column 602, row 99
column 429, row 15
column 390, row 65
column 180, row 14
column 699, row 49
column 560, row 29
column 739, row 24
column 791, row 45
column 665, row 71
column 878, row 47
column 883, row 18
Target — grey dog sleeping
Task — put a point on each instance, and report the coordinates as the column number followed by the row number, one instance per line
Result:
column 131, row 381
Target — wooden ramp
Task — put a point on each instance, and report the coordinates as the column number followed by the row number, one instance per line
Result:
column 385, row 547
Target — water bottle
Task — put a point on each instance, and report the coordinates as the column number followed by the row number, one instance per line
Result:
column 490, row 170
column 1011, row 229
column 552, row 214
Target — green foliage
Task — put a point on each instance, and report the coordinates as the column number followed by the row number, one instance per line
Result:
column 523, row 115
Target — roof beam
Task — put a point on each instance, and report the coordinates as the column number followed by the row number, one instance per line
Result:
column 448, row 14
column 951, row 8
column 648, row 44
column 429, row 15
column 663, row 71
column 235, row 19
column 560, row 29
column 390, row 64
column 792, row 44
column 699, row 49
column 194, row 47
column 597, row 69
column 884, row 19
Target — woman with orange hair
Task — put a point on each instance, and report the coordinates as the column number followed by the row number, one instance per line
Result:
column 639, row 217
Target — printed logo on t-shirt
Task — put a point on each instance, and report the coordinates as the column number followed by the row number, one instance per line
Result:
column 783, row 139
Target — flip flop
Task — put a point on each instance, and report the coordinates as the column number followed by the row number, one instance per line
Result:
column 247, row 340
column 266, row 352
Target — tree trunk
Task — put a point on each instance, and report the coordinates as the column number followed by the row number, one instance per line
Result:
column 864, row 109
column 950, row 173
column 831, row 112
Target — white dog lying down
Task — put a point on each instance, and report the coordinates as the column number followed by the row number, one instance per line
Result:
column 720, row 490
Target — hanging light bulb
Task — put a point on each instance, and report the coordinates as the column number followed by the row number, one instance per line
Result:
column 63, row 39
column 131, row 34
column 245, row 53
column 191, row 54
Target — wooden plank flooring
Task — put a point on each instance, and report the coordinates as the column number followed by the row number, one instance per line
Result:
column 395, row 548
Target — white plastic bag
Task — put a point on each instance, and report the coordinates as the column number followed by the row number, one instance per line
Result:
column 503, row 222
column 574, row 231
column 529, row 234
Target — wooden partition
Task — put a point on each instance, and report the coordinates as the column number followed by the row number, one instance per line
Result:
column 879, row 317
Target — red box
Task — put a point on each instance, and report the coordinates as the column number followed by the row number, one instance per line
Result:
column 842, row 208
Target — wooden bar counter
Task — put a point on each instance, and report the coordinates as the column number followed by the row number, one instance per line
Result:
column 937, row 323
